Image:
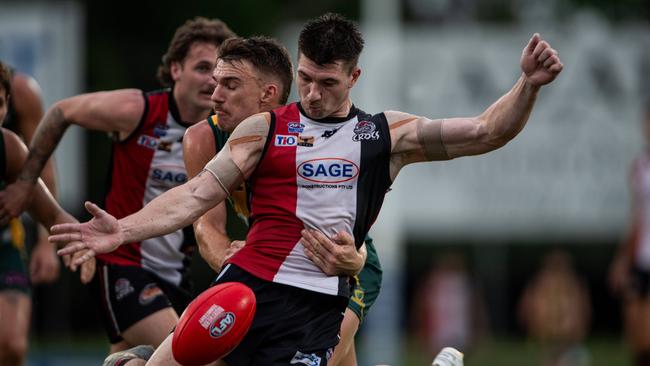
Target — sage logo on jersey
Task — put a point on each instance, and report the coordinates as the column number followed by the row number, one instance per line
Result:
column 169, row 176
column 328, row 170
column 222, row 324
column 305, row 359
column 286, row 140
column 295, row 127
column 365, row 130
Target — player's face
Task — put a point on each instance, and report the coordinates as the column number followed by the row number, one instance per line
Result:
column 238, row 92
column 193, row 77
column 4, row 104
column 325, row 89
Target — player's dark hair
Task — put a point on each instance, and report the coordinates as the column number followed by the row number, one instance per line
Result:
column 329, row 38
column 199, row 29
column 265, row 54
column 5, row 78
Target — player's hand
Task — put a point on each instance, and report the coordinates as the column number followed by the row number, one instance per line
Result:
column 88, row 267
column 334, row 256
column 539, row 62
column 44, row 264
column 102, row 234
column 14, row 199
column 234, row 247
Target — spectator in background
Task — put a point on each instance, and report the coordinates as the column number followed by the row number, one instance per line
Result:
column 629, row 274
column 449, row 310
column 555, row 310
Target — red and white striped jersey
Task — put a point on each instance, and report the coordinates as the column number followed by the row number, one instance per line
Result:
column 144, row 165
column 330, row 175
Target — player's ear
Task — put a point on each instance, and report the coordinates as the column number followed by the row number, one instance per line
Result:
column 356, row 72
column 270, row 93
column 175, row 69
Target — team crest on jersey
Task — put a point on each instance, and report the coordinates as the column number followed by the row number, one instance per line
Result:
column 295, row 127
column 285, row 140
column 306, row 141
column 309, row 359
column 148, row 142
column 365, row 130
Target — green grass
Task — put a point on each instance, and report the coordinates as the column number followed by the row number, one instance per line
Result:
column 515, row 352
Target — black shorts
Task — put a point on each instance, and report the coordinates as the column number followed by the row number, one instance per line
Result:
column 128, row 294
column 639, row 284
column 291, row 326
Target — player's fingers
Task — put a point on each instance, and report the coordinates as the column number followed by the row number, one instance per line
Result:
column 345, row 238
column 556, row 68
column 541, row 46
column 546, row 54
column 65, row 228
column 532, row 43
column 308, row 236
column 64, row 238
column 66, row 260
column 71, row 249
column 550, row 61
column 324, row 241
column 94, row 209
column 87, row 256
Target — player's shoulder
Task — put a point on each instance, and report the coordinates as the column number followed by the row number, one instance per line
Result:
column 11, row 137
column 15, row 148
column 198, row 129
column 398, row 116
column 199, row 136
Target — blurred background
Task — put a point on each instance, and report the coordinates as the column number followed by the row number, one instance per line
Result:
column 468, row 246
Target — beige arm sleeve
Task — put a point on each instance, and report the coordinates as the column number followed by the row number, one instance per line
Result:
column 429, row 134
column 240, row 155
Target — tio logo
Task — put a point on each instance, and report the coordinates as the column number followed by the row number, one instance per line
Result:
column 285, row 140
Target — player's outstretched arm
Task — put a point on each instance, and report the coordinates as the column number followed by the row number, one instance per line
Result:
column 114, row 111
column 210, row 229
column 175, row 208
column 336, row 255
column 421, row 139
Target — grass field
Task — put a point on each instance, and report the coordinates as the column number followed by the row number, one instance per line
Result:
column 91, row 350
column 514, row 352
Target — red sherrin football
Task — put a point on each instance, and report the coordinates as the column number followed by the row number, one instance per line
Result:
column 213, row 324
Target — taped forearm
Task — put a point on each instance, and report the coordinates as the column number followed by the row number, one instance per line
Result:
column 247, row 141
column 225, row 170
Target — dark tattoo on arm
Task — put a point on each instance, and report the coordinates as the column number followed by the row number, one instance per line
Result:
column 47, row 137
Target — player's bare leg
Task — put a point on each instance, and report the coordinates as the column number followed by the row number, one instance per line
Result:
column 344, row 353
column 15, row 312
column 163, row 356
column 151, row 330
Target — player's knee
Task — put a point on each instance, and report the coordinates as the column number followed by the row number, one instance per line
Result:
column 13, row 351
